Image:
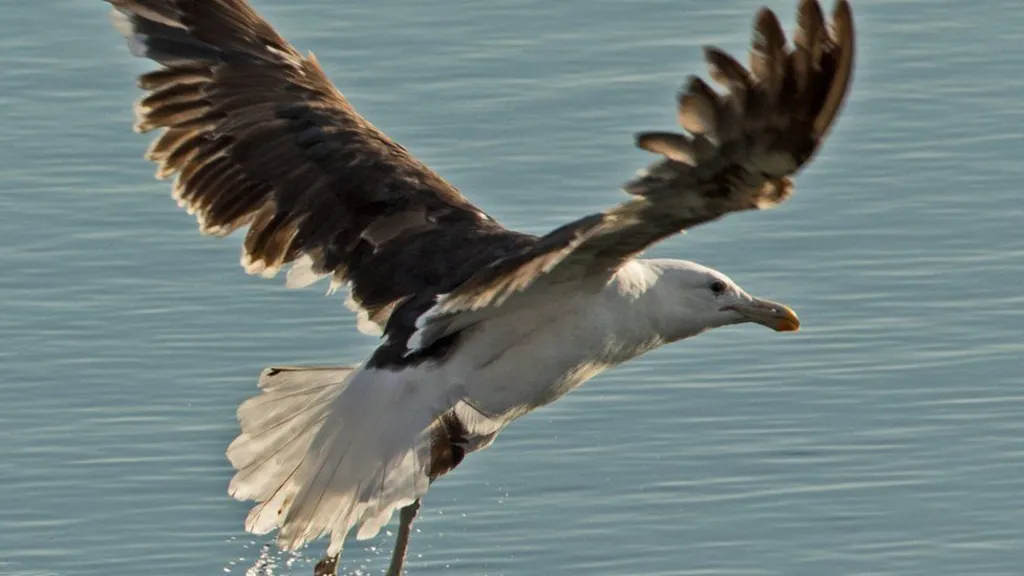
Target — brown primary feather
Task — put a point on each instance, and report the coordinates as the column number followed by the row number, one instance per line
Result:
column 167, row 115
column 169, row 95
column 698, row 113
column 768, row 53
column 162, row 145
column 727, row 71
column 841, row 55
column 810, row 31
column 182, row 154
column 697, row 94
column 676, row 147
column 159, row 79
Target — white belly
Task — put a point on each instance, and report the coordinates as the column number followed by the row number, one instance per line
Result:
column 539, row 352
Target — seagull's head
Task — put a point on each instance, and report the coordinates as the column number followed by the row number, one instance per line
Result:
column 705, row 298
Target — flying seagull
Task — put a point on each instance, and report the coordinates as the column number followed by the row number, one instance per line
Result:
column 479, row 324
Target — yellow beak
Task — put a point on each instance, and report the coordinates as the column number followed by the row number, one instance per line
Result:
column 778, row 317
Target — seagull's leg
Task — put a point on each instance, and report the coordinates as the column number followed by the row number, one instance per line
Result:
column 406, row 516
column 327, row 566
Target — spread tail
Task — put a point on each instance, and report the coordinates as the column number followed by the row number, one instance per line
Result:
column 327, row 449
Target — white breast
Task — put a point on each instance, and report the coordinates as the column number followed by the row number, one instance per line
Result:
column 541, row 350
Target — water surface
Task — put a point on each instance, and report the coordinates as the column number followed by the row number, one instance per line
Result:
column 886, row 438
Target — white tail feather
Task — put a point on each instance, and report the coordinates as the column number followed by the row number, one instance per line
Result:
column 324, row 450
column 278, row 425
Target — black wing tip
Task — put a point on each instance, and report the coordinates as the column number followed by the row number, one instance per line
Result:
column 159, row 38
column 176, row 33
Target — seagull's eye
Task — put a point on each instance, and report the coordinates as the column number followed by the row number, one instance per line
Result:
column 717, row 287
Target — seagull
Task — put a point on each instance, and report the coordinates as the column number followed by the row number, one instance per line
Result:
column 478, row 324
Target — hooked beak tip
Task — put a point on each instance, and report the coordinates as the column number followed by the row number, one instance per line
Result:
column 787, row 323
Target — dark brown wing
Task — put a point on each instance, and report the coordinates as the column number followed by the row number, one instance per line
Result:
column 740, row 150
column 256, row 135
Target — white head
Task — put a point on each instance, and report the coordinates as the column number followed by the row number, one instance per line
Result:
column 689, row 298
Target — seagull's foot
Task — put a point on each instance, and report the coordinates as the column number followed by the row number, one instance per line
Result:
column 328, row 566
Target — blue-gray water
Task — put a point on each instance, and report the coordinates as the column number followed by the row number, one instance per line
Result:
column 886, row 438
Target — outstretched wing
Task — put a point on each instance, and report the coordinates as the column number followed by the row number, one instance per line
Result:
column 741, row 148
column 255, row 135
